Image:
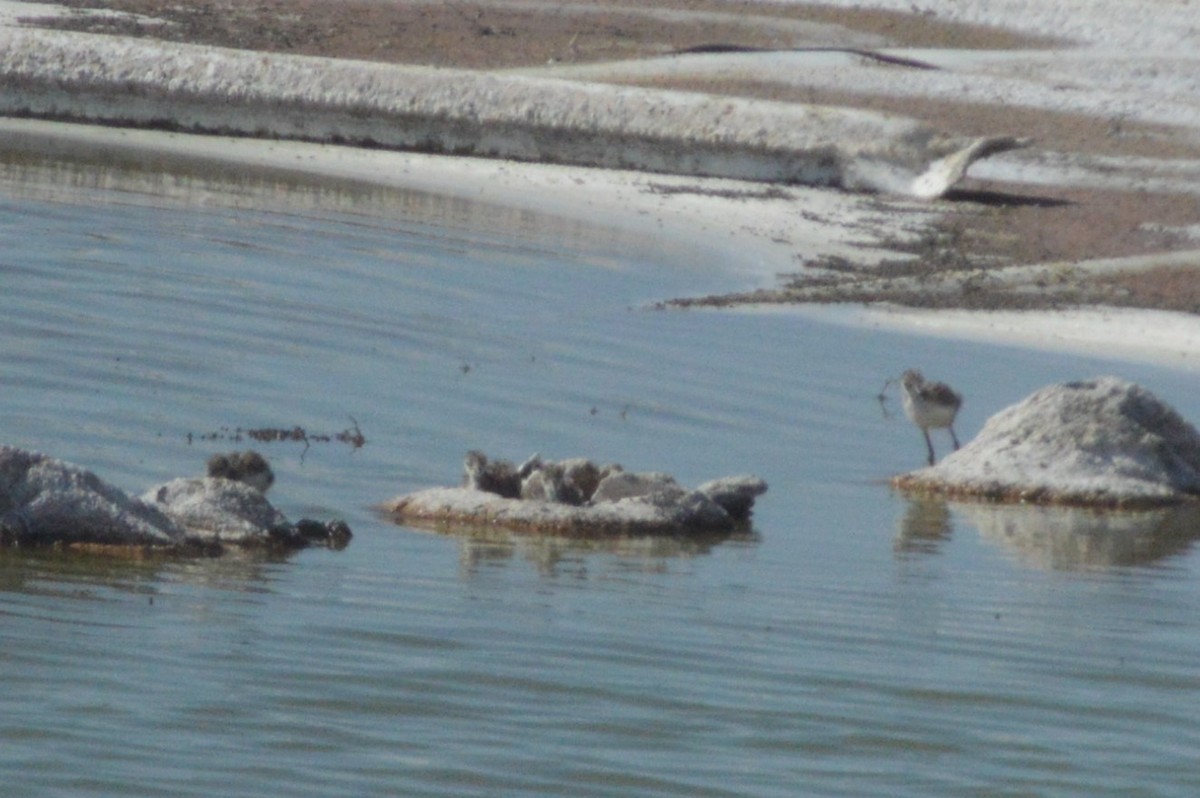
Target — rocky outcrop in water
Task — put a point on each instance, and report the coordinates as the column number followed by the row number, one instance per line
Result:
column 1103, row 442
column 45, row 501
column 578, row 497
column 48, row 502
column 225, row 511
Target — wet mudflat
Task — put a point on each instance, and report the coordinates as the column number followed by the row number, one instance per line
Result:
column 855, row 644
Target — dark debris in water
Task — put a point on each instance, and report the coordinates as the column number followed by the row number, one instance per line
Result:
column 351, row 436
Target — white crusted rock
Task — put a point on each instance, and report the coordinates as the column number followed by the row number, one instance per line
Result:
column 218, row 509
column 628, row 484
column 1100, row 442
column 735, row 495
column 45, row 501
column 622, row 503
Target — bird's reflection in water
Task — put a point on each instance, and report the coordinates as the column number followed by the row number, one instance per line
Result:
column 924, row 526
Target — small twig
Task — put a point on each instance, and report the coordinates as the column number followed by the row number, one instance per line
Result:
column 882, row 397
column 356, row 439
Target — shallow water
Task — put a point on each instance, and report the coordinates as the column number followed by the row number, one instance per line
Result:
column 856, row 644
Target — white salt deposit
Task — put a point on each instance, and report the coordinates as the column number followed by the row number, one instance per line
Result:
column 1101, row 442
column 44, row 501
column 689, row 512
column 754, row 238
column 48, row 502
column 1118, row 61
column 85, row 77
column 618, row 503
column 217, row 509
column 1148, row 336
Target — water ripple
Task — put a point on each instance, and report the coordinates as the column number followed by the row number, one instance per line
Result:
column 853, row 644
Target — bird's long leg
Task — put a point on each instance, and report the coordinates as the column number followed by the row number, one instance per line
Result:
column 953, row 437
column 929, row 444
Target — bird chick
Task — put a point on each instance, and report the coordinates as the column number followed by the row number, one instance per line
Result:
column 930, row 405
column 248, row 467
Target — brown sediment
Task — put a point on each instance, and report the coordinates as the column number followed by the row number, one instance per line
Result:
column 119, row 551
column 988, row 226
column 917, row 485
column 138, row 552
column 499, row 34
column 1165, row 288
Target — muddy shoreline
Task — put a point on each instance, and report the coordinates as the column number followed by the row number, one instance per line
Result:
column 982, row 227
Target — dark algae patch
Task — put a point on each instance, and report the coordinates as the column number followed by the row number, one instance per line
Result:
column 351, row 436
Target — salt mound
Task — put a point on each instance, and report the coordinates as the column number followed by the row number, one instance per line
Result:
column 216, row 508
column 46, row 501
column 227, row 511
column 554, row 500
column 1103, row 442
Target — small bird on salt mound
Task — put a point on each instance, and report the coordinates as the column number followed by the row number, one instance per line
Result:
column 249, row 467
column 930, row 405
column 1103, row 442
column 229, row 505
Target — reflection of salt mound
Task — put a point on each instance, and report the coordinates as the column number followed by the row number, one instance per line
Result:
column 1102, row 442
column 577, row 498
column 1069, row 538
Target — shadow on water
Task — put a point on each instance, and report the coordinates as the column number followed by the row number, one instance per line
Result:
column 1056, row 538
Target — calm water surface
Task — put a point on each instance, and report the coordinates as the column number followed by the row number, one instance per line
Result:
column 857, row 644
